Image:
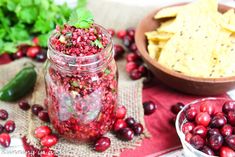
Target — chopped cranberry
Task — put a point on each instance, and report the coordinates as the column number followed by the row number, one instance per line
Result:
column 119, row 124
column 226, row 152
column 120, row 112
column 216, row 141
column 231, row 118
column 118, row 51
column 230, row 140
column 218, row 121
column 36, row 109
column 133, row 47
column 203, row 118
column 130, row 66
column 42, row 131
column 130, row 121
column 200, row 130
column 188, row 136
column 177, row 107
column 226, row 130
column 43, row 115
column 5, row 140
column 132, row 57
column 18, row 54
column 213, row 131
column 35, row 40
column 207, row 150
column 9, row 126
column 49, row 140
column 197, row 142
column 102, row 144
column 33, row 51
column 207, row 107
column 47, row 152
column 188, row 127
column 135, row 74
column 121, row 34
column 138, row 128
column 149, row 107
column 127, row 41
column 24, row 105
column 228, row 106
column 191, row 114
column 126, row 134
column 111, row 31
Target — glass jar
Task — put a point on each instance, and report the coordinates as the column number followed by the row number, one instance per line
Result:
column 82, row 92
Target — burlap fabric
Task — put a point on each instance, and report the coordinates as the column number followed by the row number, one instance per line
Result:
column 130, row 95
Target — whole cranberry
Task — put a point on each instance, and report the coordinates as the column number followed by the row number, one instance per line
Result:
column 49, row 140
column 102, row 144
column 127, row 41
column 143, row 70
column 228, row 106
column 42, row 131
column 149, row 107
column 41, row 57
column 121, row 34
column 5, row 140
column 36, row 109
column 231, row 118
column 226, row 130
column 191, row 114
column 119, row 124
column 216, row 142
column 226, row 152
column 9, row 126
column 132, row 57
column 207, row 107
column 18, row 54
column 120, row 112
column 130, row 121
column 200, row 130
column 24, row 105
column 131, row 32
column 33, row 51
column 133, row 47
column 47, row 152
column 1, row 128
column 208, row 150
column 188, row 136
column 177, row 107
column 118, row 51
column 197, row 142
column 135, row 74
column 218, row 121
column 43, row 115
column 203, row 118
column 111, row 31
column 138, row 128
column 188, row 127
column 35, row 40
column 126, row 134
column 3, row 114
column 130, row 66
column 213, row 131
column 230, row 140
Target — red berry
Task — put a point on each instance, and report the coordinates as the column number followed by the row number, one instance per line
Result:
column 172, row 121
column 120, row 112
column 131, row 32
column 226, row 152
column 188, row 127
column 111, row 31
column 24, row 105
column 135, row 74
column 191, row 114
column 230, row 140
column 1, row 128
column 127, row 41
column 143, row 70
column 42, row 131
column 126, row 134
column 216, row 141
column 197, row 142
column 43, row 115
column 208, row 150
column 49, row 140
column 3, row 114
column 132, row 57
column 119, row 124
column 218, row 121
column 36, row 109
column 130, row 66
column 35, row 40
column 200, row 130
column 177, row 107
column 33, row 51
column 188, row 136
column 5, row 140
column 226, row 130
column 130, row 121
column 149, row 107
column 47, row 152
column 18, row 54
column 207, row 107
column 137, row 128
column 9, row 126
column 118, row 51
column 102, row 144
column 133, row 47
column 203, row 118
column 213, row 131
column 228, row 106
column 41, row 57
column 121, row 34
column 231, row 117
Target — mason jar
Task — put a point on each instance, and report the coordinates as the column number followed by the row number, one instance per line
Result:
column 82, row 92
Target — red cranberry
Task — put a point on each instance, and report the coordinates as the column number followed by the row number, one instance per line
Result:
column 200, row 130
column 127, row 41
column 18, row 54
column 172, row 121
column 188, row 127
column 231, row 118
column 218, row 121
column 226, row 152
column 149, row 107
column 5, row 140
column 121, row 34
column 213, row 131
column 208, row 150
column 228, row 106
column 43, row 115
column 207, row 107
column 216, row 141
column 203, row 118
column 118, row 51
column 36, row 109
column 102, row 144
column 191, row 114
column 41, row 57
column 119, row 124
column 132, row 57
column 49, row 140
column 42, row 131
column 32, row 51
column 131, row 32
column 111, row 31
column 47, row 152
column 143, row 70
column 188, row 136
column 3, row 114
column 1, row 128
column 230, row 140
column 138, row 128
column 24, row 105
column 130, row 66
column 177, row 107
column 126, row 134
column 130, row 121
column 120, row 112
column 226, row 130
column 35, row 40
column 135, row 74
column 133, row 47
column 197, row 142
column 9, row 126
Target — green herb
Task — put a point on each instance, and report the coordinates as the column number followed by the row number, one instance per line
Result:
column 97, row 43
column 107, row 71
column 75, row 84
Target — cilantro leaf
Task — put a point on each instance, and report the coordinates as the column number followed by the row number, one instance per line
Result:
column 18, row 33
column 43, row 38
column 97, row 43
column 27, row 14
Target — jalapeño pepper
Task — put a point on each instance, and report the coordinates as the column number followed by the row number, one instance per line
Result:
column 20, row 85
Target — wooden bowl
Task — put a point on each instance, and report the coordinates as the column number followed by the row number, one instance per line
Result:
column 180, row 82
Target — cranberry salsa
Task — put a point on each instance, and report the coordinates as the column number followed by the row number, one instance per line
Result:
column 81, row 82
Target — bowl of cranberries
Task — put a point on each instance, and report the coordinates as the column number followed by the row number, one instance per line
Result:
column 206, row 127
